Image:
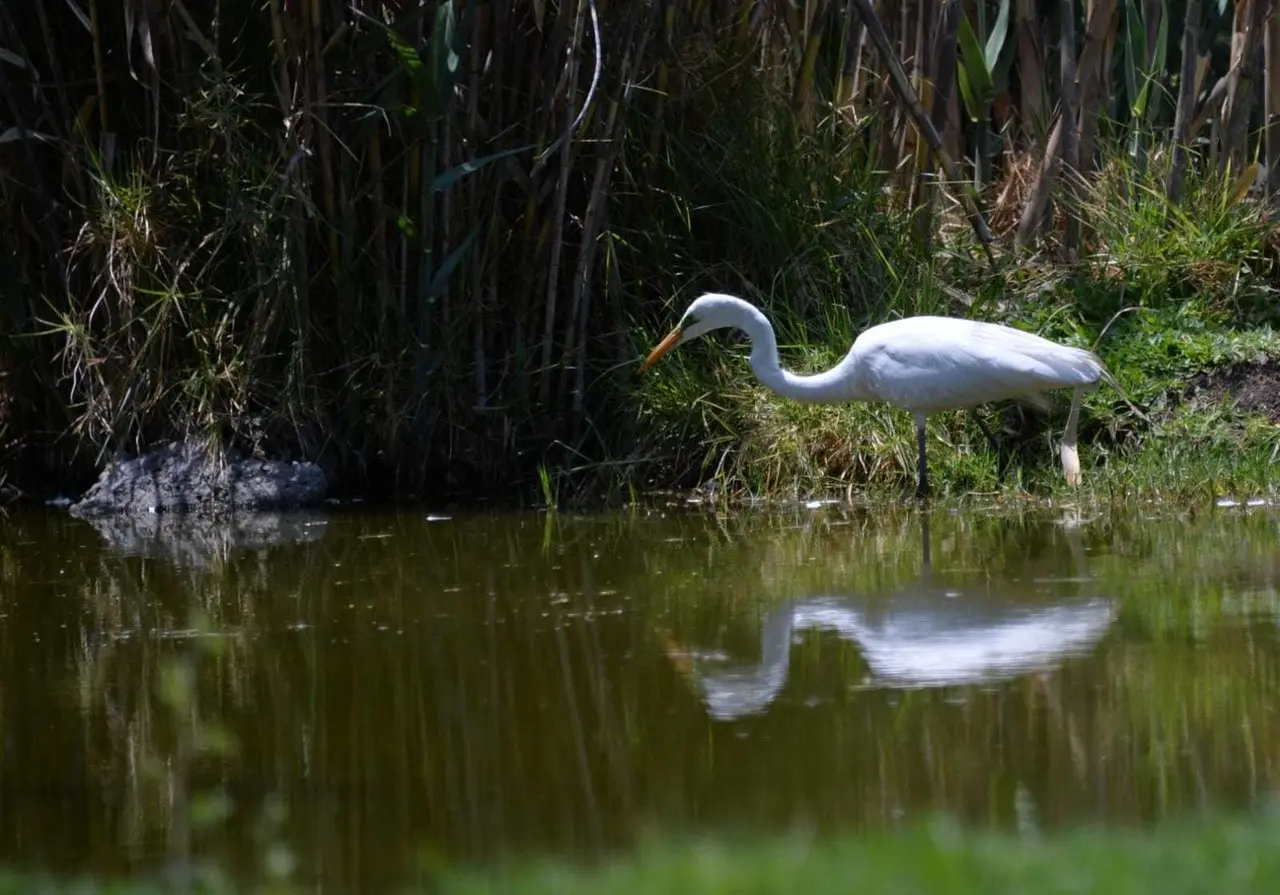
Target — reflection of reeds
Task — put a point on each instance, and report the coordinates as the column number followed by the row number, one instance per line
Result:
column 496, row 681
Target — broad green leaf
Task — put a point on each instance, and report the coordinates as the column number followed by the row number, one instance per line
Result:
column 1134, row 53
column 405, row 51
column 975, row 70
column 1162, row 37
column 1158, row 60
column 995, row 41
column 970, row 105
column 453, row 175
column 1243, row 184
column 1143, row 74
column 14, row 133
column 1005, row 63
column 1162, row 41
column 443, row 55
column 1140, row 103
column 80, row 15
column 449, row 34
column 440, row 279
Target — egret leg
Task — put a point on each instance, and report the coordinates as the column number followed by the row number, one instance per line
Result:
column 1001, row 461
column 922, row 485
column 1067, row 450
column 926, row 561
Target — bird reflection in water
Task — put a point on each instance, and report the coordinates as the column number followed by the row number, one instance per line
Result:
column 924, row 635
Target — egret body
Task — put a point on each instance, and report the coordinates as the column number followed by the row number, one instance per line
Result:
column 919, row 364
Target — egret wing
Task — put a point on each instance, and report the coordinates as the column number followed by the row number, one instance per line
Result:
column 933, row 364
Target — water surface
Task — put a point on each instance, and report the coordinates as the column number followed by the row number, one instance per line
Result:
column 374, row 693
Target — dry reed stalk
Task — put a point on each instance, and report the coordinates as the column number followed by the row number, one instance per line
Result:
column 907, row 97
column 942, row 76
column 1018, row 177
column 662, row 83
column 803, row 96
column 562, row 191
column 1098, row 29
column 636, row 42
column 849, row 90
column 1092, row 77
column 1188, row 83
column 318, row 111
column 1032, row 109
column 1271, row 97
column 99, row 74
column 1245, row 43
column 1070, row 146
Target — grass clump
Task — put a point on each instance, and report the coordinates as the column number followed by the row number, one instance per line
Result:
column 184, row 325
column 1227, row 855
column 1172, row 298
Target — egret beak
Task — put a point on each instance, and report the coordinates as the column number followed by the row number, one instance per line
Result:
column 671, row 341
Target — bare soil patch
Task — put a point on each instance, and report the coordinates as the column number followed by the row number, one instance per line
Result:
column 1254, row 387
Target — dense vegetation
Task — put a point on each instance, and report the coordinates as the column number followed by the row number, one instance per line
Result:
column 426, row 242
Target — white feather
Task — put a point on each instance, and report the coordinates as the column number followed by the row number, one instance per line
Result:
column 937, row 363
column 921, row 364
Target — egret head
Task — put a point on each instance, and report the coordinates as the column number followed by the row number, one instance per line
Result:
column 708, row 312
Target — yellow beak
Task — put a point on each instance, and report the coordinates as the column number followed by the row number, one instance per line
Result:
column 671, row 341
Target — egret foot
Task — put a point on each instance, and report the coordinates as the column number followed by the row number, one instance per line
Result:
column 1070, row 463
column 922, row 482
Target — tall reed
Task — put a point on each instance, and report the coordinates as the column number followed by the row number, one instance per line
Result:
column 415, row 238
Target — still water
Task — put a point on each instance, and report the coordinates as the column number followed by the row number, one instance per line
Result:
column 375, row 693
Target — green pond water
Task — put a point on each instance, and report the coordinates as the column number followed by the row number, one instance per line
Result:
column 375, row 693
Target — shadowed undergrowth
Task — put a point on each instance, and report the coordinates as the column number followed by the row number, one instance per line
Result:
column 435, row 279
column 1232, row 855
column 939, row 858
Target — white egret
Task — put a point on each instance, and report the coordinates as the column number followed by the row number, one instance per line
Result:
column 920, row 364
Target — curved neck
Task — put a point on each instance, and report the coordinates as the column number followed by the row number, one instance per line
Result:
column 829, row 386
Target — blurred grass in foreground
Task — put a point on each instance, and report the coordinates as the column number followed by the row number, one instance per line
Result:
column 1225, row 856
column 1235, row 855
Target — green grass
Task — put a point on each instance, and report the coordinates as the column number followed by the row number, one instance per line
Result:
column 716, row 423
column 1165, row 295
column 1236, row 856
column 937, row 858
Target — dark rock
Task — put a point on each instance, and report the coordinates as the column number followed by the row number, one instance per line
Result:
column 186, row 477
